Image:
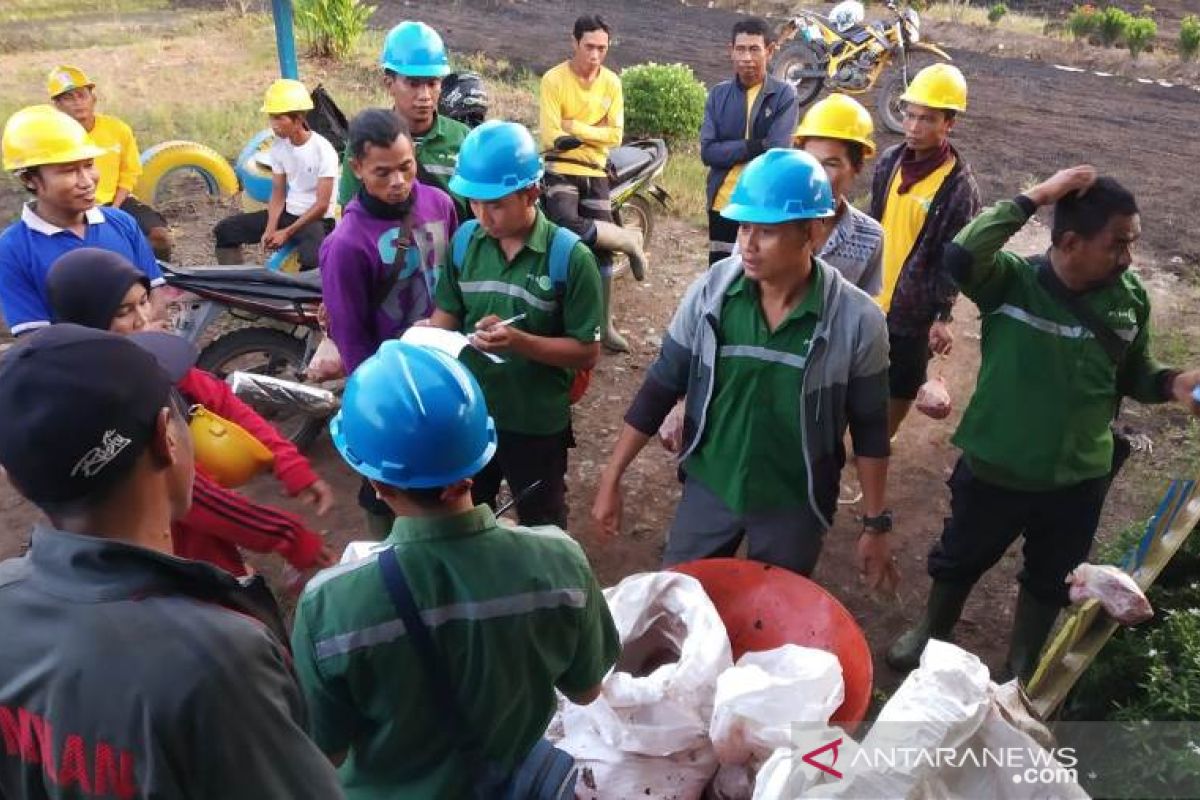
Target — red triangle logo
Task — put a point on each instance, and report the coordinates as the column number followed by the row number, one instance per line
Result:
column 810, row 758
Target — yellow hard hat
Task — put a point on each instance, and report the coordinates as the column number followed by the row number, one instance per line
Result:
column 286, row 95
column 225, row 450
column 938, row 86
column 38, row 135
column 839, row 116
column 64, row 78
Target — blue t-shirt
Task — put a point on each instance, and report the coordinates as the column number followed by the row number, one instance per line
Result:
column 30, row 246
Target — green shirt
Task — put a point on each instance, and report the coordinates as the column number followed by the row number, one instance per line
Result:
column 752, row 453
column 1047, row 391
column 524, row 396
column 514, row 613
column 437, row 155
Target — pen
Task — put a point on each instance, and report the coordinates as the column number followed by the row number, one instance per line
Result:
column 510, row 320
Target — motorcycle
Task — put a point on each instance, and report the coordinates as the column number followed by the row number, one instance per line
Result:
column 633, row 167
column 277, row 343
column 842, row 54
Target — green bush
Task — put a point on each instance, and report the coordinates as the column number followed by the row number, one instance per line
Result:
column 1114, row 24
column 996, row 13
column 1189, row 37
column 1083, row 22
column 1139, row 34
column 331, row 28
column 662, row 100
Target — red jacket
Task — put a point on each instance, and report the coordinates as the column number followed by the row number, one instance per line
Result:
column 221, row 520
column 291, row 468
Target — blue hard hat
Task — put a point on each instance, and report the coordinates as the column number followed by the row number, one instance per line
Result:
column 495, row 160
column 781, row 185
column 416, row 50
column 414, row 418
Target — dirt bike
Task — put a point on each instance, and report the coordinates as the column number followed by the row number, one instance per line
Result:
column 279, row 340
column 842, row 54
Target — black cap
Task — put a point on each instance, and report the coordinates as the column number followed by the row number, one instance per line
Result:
column 77, row 408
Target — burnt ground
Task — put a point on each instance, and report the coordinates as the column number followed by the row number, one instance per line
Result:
column 1025, row 118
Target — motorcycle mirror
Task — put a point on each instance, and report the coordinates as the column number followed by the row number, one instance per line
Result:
column 564, row 143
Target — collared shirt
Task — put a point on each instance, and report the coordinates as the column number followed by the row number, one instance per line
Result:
column 596, row 111
column 437, row 156
column 1047, row 390
column 524, row 396
column 121, row 164
column 750, row 453
column 30, row 246
column 129, row 673
column 514, row 613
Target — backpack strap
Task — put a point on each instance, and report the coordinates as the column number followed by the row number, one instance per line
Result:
column 562, row 243
column 460, row 241
column 1112, row 344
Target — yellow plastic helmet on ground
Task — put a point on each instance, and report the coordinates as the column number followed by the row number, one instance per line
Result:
column 226, row 451
column 64, row 78
column 839, row 116
column 38, row 135
column 285, row 96
column 938, row 86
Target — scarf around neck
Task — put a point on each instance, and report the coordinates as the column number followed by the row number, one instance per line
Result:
column 913, row 170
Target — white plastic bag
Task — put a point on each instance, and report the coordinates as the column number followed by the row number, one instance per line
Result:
column 1120, row 595
column 326, row 363
column 759, row 700
column 670, row 433
column 933, row 399
column 647, row 734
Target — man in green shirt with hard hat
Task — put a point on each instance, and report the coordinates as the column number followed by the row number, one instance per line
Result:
column 1065, row 337
column 527, row 292
column 507, row 615
column 414, row 61
column 776, row 355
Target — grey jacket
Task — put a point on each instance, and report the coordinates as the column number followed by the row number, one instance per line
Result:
column 125, row 673
column 844, row 385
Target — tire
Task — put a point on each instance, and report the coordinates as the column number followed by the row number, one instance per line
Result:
column 284, row 358
column 255, row 178
column 178, row 156
column 793, row 60
column 887, row 99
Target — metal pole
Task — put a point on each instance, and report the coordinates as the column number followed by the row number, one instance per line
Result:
column 285, row 39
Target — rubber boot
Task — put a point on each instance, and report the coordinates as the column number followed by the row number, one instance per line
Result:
column 941, row 615
column 227, row 256
column 610, row 236
column 610, row 337
column 1032, row 622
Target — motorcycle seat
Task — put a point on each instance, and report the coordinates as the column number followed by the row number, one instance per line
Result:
column 628, row 160
column 856, row 35
column 310, row 279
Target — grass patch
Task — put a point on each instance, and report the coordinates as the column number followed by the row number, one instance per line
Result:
column 30, row 11
column 962, row 13
column 684, row 180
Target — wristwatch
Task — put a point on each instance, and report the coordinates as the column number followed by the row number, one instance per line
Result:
column 879, row 525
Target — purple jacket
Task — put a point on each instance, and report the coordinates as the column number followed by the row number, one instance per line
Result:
column 367, row 303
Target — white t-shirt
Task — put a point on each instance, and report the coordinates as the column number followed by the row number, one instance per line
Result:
column 304, row 166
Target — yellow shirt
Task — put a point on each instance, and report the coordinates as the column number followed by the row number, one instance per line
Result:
column 121, row 165
column 903, row 218
column 597, row 113
column 726, row 188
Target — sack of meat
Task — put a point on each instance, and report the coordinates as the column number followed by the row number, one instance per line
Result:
column 933, row 399
column 1120, row 595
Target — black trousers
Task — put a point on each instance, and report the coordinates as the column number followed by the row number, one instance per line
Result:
column 249, row 228
column 1059, row 527
column 522, row 459
column 722, row 236
column 578, row 202
column 909, row 365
